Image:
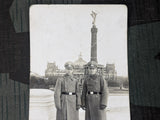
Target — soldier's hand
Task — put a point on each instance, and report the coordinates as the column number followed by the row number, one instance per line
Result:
column 83, row 107
column 78, row 107
column 102, row 107
column 59, row 107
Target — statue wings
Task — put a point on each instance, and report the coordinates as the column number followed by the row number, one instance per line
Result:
column 94, row 17
column 93, row 14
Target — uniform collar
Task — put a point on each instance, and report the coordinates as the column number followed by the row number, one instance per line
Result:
column 68, row 76
column 93, row 76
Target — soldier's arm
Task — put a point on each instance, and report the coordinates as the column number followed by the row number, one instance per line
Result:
column 57, row 94
column 83, row 98
column 78, row 94
column 104, row 92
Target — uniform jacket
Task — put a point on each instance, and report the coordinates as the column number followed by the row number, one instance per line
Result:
column 66, row 104
column 92, row 102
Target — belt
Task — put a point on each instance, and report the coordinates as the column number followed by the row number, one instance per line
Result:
column 68, row 93
column 91, row 92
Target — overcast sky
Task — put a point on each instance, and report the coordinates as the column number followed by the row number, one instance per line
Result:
column 60, row 32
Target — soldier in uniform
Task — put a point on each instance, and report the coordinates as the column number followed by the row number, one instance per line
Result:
column 94, row 94
column 67, row 96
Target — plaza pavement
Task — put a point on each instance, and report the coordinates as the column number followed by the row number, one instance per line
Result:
column 118, row 109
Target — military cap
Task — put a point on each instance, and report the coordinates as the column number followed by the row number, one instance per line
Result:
column 92, row 64
column 69, row 65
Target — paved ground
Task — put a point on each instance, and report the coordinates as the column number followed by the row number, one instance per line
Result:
column 118, row 108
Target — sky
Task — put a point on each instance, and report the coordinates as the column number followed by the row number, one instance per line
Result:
column 59, row 33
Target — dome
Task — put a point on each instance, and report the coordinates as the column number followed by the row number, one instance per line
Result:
column 80, row 62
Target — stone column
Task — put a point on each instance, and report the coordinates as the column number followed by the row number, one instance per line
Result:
column 94, row 43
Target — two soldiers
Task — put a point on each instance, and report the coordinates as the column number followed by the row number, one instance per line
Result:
column 93, row 100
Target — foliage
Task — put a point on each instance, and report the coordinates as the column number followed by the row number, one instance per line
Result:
column 119, row 82
column 36, row 82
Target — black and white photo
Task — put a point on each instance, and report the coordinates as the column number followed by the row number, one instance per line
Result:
column 79, row 68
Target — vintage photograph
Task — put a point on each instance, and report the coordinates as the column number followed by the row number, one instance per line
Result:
column 79, row 67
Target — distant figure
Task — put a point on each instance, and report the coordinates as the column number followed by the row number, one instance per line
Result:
column 67, row 96
column 94, row 17
column 94, row 94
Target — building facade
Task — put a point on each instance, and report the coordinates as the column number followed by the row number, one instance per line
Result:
column 109, row 71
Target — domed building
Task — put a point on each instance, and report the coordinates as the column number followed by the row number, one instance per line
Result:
column 52, row 68
column 79, row 66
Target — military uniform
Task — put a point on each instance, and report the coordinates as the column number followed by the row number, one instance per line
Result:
column 67, row 98
column 94, row 97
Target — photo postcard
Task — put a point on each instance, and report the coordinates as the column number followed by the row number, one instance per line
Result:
column 79, row 68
